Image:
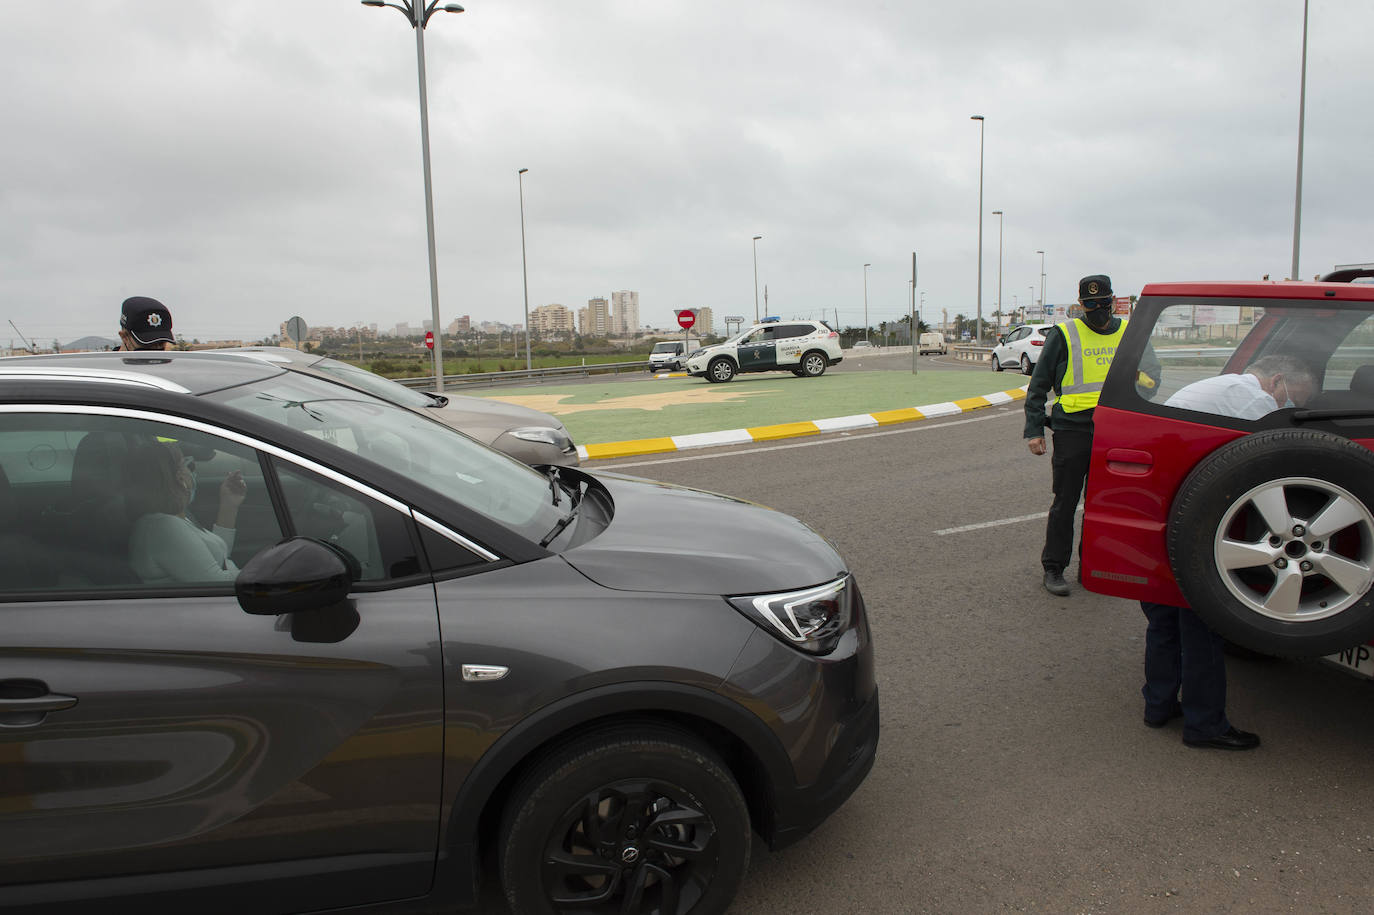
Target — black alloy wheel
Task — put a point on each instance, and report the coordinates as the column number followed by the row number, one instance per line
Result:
column 813, row 364
column 627, row 821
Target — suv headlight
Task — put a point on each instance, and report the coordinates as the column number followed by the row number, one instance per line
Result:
column 546, row 434
column 812, row 619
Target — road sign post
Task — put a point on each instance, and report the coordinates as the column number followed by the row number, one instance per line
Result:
column 685, row 319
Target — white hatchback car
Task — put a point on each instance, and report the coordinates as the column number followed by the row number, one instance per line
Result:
column 1020, row 347
column 804, row 348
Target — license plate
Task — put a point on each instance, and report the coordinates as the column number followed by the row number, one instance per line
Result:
column 1358, row 660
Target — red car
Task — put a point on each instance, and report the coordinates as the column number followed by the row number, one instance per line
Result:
column 1235, row 475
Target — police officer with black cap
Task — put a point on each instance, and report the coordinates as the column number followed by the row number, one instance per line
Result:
column 1073, row 363
column 144, row 324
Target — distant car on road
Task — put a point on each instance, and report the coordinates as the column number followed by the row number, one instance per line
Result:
column 669, row 355
column 932, row 342
column 1020, row 347
column 862, row 344
column 526, row 435
column 804, row 348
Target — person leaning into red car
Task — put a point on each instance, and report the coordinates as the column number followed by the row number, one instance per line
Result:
column 1182, row 655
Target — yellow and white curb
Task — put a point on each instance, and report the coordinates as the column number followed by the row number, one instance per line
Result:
column 671, row 375
column 793, row 430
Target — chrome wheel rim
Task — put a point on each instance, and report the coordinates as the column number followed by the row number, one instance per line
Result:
column 1296, row 549
column 814, row 366
column 721, row 371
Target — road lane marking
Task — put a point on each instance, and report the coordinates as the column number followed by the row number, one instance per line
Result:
column 1038, row 516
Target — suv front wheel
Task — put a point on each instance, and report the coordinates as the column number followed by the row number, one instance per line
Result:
column 629, row 820
column 721, row 370
column 1271, row 540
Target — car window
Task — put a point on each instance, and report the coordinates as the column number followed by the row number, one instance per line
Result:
column 114, row 503
column 795, row 330
column 371, row 382
column 471, row 474
column 376, row 535
column 1246, row 359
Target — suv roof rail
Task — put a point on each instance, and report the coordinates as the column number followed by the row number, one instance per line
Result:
column 1349, row 274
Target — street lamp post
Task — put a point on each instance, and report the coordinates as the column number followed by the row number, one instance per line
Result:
column 524, row 271
column 756, row 278
column 418, row 14
column 866, row 266
column 1302, row 106
column 998, row 214
column 978, row 326
column 1042, row 280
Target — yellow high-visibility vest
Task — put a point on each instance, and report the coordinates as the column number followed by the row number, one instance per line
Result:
column 1090, row 355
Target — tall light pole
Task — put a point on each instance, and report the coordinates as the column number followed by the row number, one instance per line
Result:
column 756, row 278
column 1302, row 106
column 419, row 14
column 1042, row 281
column 866, row 266
column 998, row 214
column 524, row 272
column 1043, row 316
column 978, row 326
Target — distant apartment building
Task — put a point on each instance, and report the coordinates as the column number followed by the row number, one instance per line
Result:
column 460, row 325
column 404, row 330
column 705, row 322
column 599, row 318
column 551, row 321
column 583, row 316
column 625, row 308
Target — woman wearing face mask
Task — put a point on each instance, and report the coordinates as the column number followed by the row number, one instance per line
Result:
column 166, row 546
column 1073, row 364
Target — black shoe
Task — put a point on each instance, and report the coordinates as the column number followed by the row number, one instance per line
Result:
column 1055, row 583
column 1232, row 739
column 1176, row 712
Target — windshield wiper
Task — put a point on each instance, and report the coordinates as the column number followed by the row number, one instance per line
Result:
column 574, row 494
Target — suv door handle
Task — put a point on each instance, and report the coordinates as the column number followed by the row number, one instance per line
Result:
column 1129, row 462
column 24, row 703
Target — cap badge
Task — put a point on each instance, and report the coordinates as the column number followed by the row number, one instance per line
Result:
column 1092, row 288
column 154, row 320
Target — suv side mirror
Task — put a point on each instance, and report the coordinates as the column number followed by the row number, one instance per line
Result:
column 295, row 575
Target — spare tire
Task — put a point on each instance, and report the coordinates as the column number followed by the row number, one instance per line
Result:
column 1271, row 540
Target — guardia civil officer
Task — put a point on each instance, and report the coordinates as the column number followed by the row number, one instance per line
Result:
column 1074, row 363
column 144, row 324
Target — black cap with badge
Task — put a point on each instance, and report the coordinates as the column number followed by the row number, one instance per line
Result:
column 1095, row 291
column 147, row 320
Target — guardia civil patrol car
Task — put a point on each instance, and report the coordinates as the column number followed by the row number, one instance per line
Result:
column 804, row 348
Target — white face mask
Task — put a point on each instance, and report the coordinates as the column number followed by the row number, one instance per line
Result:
column 1287, row 400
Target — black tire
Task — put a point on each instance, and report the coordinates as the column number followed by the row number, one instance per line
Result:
column 813, row 363
column 1271, row 540
column 996, row 363
column 1026, row 367
column 720, row 370
column 625, row 811
column 799, row 373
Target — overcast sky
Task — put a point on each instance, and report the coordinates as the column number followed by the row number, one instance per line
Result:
column 249, row 160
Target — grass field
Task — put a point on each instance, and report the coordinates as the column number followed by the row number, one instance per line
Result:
column 621, row 410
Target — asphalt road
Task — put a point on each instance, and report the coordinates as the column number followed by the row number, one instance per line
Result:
column 1014, row 772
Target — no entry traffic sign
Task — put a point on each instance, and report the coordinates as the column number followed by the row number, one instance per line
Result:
column 686, row 318
column 429, row 339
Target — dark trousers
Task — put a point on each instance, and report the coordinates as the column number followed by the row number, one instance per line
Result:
column 1069, row 469
column 1181, row 653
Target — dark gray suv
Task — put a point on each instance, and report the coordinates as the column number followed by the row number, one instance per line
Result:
column 271, row 645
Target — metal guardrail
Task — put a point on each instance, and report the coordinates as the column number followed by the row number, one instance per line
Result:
column 518, row 375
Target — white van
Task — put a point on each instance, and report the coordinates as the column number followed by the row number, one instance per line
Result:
column 932, row 343
column 671, row 355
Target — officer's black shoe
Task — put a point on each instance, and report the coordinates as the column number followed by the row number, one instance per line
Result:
column 1232, row 739
column 1055, row 583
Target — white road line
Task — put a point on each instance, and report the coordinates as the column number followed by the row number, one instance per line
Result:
column 1038, row 516
column 998, row 523
column 836, row 439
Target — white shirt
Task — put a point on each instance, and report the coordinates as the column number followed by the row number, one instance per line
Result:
column 169, row 549
column 1228, row 395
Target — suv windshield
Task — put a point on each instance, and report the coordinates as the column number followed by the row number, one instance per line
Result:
column 486, row 481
